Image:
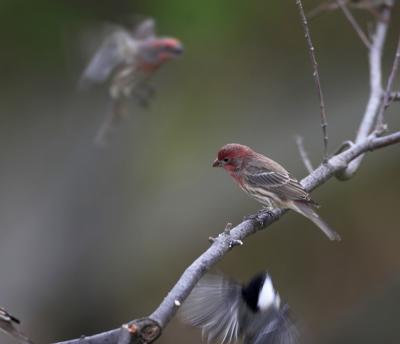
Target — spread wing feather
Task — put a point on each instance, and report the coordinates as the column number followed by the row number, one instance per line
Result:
column 274, row 328
column 145, row 30
column 213, row 305
column 109, row 55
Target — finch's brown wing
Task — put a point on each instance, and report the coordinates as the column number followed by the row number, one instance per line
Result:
column 146, row 29
column 282, row 184
column 113, row 52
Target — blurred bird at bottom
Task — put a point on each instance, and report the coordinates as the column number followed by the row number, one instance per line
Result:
column 7, row 325
column 128, row 58
column 228, row 312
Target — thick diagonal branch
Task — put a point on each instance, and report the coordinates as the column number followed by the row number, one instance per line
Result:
column 225, row 242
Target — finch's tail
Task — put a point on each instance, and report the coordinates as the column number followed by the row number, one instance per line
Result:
column 113, row 119
column 307, row 211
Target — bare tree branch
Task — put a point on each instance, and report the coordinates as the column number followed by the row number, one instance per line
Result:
column 354, row 23
column 375, row 96
column 346, row 162
column 303, row 154
column 380, row 126
column 222, row 245
column 324, row 123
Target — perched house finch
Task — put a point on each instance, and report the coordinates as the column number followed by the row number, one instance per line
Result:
column 269, row 183
column 227, row 311
column 7, row 325
column 127, row 59
column 370, row 5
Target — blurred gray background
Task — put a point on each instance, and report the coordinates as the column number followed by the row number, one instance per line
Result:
column 91, row 238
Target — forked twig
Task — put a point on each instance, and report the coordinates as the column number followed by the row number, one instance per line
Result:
column 375, row 97
column 380, row 125
column 357, row 28
column 303, row 154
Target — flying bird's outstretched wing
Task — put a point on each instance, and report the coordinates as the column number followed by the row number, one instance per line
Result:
column 145, row 30
column 115, row 50
column 213, row 305
column 274, row 327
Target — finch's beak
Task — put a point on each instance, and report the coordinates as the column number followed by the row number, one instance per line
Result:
column 217, row 163
column 178, row 49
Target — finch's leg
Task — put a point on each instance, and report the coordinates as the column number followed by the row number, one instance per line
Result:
column 143, row 94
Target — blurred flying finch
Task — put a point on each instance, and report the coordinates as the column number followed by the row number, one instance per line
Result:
column 269, row 183
column 370, row 5
column 7, row 325
column 127, row 59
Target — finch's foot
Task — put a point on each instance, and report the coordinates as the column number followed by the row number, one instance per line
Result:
column 254, row 217
column 228, row 228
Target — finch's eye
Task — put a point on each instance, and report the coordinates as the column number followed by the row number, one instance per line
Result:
column 226, row 159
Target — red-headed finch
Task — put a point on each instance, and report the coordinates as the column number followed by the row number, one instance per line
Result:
column 127, row 59
column 268, row 183
column 7, row 325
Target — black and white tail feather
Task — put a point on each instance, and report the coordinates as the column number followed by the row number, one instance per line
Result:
column 228, row 312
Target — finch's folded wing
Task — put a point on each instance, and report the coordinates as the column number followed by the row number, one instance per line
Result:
column 279, row 183
column 213, row 305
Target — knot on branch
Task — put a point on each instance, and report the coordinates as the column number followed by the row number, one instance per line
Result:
column 140, row 331
column 344, row 173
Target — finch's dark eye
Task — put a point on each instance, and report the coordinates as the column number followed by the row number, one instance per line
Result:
column 226, row 159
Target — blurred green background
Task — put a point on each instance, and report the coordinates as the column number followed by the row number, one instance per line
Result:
column 91, row 238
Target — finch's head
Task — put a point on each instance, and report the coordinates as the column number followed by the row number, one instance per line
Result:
column 159, row 50
column 232, row 155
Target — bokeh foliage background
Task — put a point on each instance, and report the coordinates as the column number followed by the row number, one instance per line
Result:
column 91, row 238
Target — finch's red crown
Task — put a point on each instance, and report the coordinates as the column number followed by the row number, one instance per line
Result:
column 233, row 150
column 155, row 52
column 171, row 44
column 166, row 48
column 232, row 155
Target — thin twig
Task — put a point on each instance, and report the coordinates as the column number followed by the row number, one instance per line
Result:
column 223, row 243
column 357, row 28
column 324, row 123
column 303, row 154
column 375, row 97
column 380, row 126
